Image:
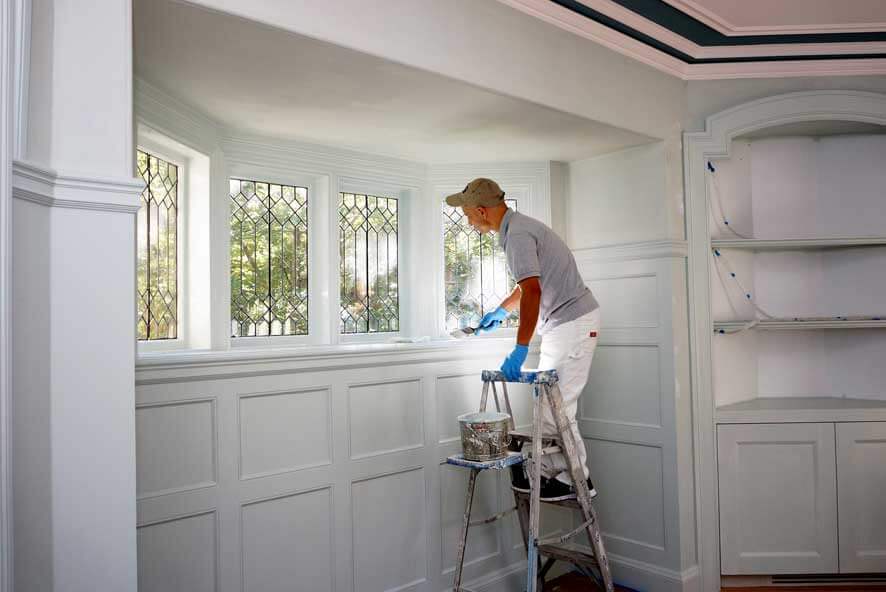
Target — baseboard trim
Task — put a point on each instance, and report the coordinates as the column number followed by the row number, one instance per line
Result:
column 507, row 579
column 649, row 577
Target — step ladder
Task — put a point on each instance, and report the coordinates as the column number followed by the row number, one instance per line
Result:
column 527, row 505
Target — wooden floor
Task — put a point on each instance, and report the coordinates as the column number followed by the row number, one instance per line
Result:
column 576, row 583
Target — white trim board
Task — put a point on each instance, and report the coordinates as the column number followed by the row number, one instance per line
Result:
column 14, row 36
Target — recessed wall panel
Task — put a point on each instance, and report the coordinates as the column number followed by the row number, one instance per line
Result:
column 287, row 543
column 385, row 417
column 175, row 447
column 627, row 302
column 285, row 431
column 628, row 478
column 178, row 555
column 623, row 386
column 390, row 531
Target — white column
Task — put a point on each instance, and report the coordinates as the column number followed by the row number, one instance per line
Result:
column 74, row 299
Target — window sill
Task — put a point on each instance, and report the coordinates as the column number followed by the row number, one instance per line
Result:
column 163, row 366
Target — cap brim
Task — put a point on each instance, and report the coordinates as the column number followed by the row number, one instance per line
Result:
column 456, row 200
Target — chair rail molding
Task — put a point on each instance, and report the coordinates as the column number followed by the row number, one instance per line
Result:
column 714, row 142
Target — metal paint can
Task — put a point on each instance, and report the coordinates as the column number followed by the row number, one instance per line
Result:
column 484, row 435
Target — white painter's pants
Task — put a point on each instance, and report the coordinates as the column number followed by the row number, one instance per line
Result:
column 569, row 349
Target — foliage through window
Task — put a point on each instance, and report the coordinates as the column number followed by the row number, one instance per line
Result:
column 368, row 241
column 476, row 272
column 157, row 238
column 269, row 259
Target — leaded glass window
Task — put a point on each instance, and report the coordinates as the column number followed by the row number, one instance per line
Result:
column 269, row 259
column 157, row 239
column 476, row 272
column 370, row 297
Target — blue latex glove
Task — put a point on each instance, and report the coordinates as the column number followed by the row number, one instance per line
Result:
column 514, row 362
column 491, row 320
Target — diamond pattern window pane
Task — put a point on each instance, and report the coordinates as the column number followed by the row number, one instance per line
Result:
column 370, row 297
column 476, row 272
column 157, row 239
column 269, row 259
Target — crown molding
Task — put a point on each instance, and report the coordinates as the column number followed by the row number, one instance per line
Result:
column 720, row 24
column 583, row 27
column 573, row 22
column 44, row 186
column 320, row 159
column 811, row 68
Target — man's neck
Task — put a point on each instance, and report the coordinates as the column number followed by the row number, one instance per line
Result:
column 496, row 222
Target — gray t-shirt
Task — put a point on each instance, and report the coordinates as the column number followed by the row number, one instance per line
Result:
column 534, row 250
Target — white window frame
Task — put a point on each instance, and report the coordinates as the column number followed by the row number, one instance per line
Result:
column 182, row 162
column 317, row 203
column 406, row 210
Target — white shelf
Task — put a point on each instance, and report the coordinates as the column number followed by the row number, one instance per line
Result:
column 802, row 410
column 802, row 324
column 791, row 244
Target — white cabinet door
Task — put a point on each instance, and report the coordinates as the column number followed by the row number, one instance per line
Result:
column 778, row 498
column 861, row 481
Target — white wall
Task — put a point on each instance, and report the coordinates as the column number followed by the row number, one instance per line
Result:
column 493, row 46
column 619, row 198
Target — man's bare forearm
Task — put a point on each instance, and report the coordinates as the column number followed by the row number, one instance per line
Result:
column 530, row 299
column 512, row 302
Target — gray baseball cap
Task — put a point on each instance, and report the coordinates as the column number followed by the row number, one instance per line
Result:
column 479, row 192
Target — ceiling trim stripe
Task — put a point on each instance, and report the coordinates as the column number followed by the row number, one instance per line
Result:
column 779, row 50
column 555, row 14
column 715, row 21
column 669, row 17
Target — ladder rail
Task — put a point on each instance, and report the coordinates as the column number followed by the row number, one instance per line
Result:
column 555, row 400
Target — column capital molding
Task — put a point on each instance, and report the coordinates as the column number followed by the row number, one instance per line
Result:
column 47, row 187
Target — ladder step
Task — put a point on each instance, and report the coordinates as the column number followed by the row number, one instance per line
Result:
column 526, row 436
column 568, row 503
column 570, row 554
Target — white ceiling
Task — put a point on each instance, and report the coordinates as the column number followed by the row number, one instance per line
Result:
column 271, row 82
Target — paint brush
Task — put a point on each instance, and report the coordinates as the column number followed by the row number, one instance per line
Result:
column 463, row 332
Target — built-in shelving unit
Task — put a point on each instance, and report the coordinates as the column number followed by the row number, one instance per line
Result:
column 782, row 305
column 788, row 277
